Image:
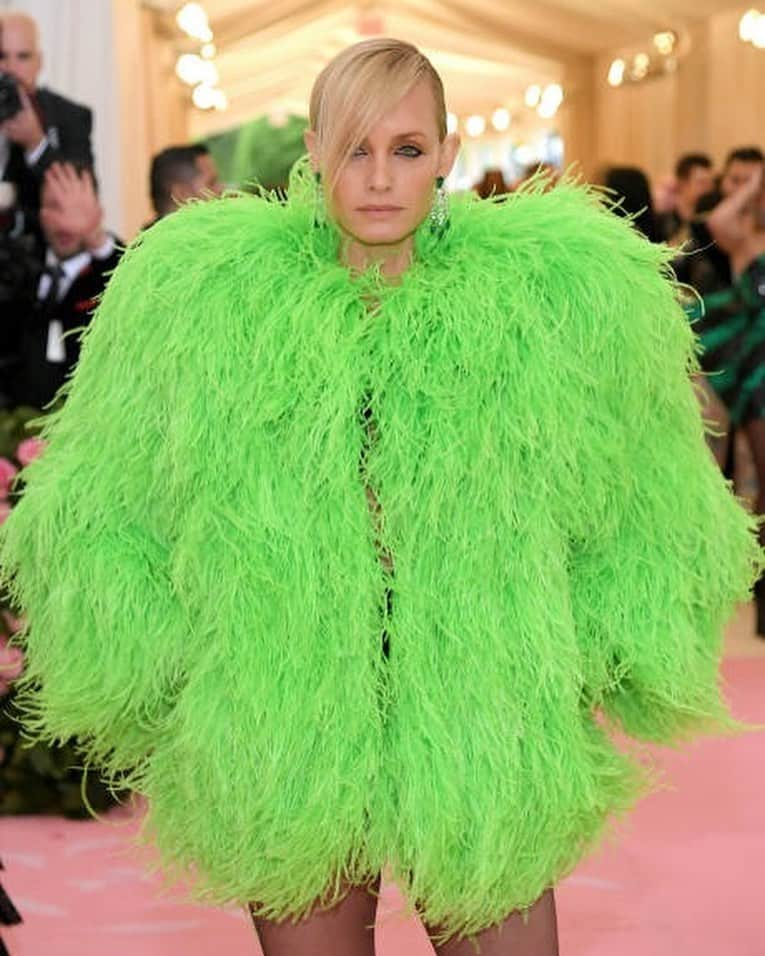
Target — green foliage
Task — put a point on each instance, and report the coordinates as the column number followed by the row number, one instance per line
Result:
column 38, row 778
column 15, row 426
column 258, row 152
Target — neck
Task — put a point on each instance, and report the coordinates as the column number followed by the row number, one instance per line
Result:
column 685, row 209
column 392, row 260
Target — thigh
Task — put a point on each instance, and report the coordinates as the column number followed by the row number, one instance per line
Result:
column 535, row 934
column 347, row 929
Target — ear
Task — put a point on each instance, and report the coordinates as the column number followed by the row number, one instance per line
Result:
column 311, row 141
column 449, row 149
column 181, row 193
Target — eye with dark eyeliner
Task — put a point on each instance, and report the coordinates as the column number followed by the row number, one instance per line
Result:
column 409, row 150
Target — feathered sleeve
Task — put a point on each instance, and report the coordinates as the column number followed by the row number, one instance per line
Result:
column 88, row 550
column 660, row 550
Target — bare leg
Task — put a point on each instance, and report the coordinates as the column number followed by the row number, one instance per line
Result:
column 345, row 930
column 514, row 936
column 716, row 414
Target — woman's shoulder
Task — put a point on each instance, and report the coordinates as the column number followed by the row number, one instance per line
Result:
column 225, row 243
column 569, row 217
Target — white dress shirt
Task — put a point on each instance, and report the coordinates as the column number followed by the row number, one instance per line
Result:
column 70, row 269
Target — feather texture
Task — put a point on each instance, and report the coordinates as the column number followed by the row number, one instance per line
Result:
column 200, row 572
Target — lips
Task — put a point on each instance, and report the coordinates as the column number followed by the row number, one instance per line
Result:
column 380, row 209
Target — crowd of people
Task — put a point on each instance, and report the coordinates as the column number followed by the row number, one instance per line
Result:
column 56, row 254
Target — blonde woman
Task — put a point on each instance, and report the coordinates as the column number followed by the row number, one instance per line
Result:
column 366, row 520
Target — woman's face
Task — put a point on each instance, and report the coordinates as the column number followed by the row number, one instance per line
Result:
column 386, row 188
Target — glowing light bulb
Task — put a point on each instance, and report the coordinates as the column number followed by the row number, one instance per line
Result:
column 665, row 42
column 475, row 125
column 616, row 73
column 500, row 119
column 190, row 68
column 452, row 123
column 747, row 25
column 758, row 36
column 192, row 19
column 203, row 97
column 552, row 97
column 533, row 96
column 640, row 66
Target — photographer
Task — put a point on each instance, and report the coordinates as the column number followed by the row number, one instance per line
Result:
column 79, row 259
column 37, row 127
column 20, row 267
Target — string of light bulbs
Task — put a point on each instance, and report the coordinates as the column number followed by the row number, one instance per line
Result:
column 642, row 65
column 545, row 100
column 198, row 69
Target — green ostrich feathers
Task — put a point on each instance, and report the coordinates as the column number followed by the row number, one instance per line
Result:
column 200, row 570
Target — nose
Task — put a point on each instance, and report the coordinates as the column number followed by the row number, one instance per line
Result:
column 380, row 175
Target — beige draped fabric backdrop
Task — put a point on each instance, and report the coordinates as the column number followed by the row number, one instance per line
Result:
column 153, row 109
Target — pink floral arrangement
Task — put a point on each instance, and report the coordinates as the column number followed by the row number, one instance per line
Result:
column 11, row 664
column 8, row 472
column 28, row 450
column 11, row 465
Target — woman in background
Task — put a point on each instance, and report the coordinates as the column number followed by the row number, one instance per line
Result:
column 631, row 191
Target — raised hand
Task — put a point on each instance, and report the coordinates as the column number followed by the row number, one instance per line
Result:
column 71, row 204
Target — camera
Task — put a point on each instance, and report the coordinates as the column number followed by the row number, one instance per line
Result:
column 10, row 101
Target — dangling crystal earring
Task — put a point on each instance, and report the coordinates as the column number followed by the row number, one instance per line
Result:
column 439, row 212
column 319, row 209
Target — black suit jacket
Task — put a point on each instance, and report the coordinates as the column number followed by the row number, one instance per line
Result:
column 68, row 127
column 35, row 379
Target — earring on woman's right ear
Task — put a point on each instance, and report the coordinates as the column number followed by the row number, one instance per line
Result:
column 319, row 208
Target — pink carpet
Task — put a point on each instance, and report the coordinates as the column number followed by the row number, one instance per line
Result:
column 685, row 877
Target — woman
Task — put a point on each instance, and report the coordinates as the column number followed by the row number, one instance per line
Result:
column 731, row 328
column 355, row 531
column 631, row 193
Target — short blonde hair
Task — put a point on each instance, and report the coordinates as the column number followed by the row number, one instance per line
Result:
column 358, row 87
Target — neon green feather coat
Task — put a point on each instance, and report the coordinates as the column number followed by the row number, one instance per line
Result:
column 201, row 575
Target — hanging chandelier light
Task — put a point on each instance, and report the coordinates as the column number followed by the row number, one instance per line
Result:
column 656, row 59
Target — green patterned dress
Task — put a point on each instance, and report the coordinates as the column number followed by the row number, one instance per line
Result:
column 731, row 329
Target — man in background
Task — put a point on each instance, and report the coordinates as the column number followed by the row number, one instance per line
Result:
column 44, row 128
column 694, row 178
column 181, row 173
column 79, row 259
column 708, row 269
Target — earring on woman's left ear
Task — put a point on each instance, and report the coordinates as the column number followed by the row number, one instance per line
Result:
column 439, row 211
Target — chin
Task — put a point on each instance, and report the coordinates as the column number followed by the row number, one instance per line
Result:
column 381, row 234
column 66, row 250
